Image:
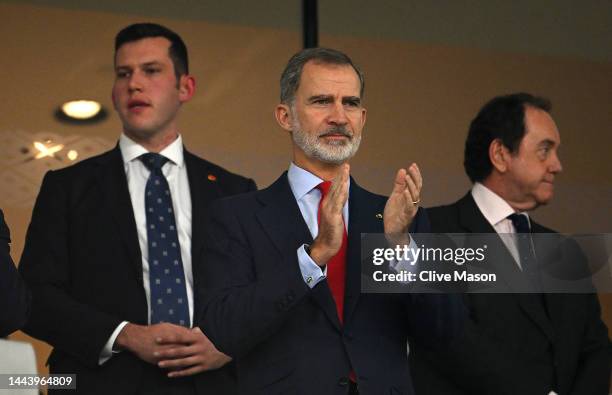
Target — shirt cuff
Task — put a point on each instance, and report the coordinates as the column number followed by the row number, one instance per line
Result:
column 107, row 351
column 311, row 272
column 408, row 265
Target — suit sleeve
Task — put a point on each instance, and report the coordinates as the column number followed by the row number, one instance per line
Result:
column 69, row 326
column 251, row 186
column 435, row 318
column 243, row 306
column 593, row 376
column 14, row 297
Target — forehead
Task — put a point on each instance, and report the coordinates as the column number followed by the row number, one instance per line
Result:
column 145, row 50
column 332, row 79
column 539, row 127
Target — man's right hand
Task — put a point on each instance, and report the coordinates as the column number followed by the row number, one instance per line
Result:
column 143, row 341
column 331, row 223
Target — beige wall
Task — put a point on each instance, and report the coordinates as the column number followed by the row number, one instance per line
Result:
column 420, row 99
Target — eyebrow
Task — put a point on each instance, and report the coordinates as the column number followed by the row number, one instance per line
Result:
column 147, row 64
column 547, row 143
column 355, row 99
column 318, row 97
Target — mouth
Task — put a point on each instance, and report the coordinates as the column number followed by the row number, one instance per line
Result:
column 337, row 134
column 137, row 105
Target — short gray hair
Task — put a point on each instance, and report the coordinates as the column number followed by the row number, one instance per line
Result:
column 290, row 79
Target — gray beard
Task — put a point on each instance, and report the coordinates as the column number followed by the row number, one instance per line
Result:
column 336, row 152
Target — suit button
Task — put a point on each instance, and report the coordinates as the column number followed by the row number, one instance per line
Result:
column 344, row 381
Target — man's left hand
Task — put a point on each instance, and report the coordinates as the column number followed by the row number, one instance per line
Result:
column 403, row 202
column 193, row 353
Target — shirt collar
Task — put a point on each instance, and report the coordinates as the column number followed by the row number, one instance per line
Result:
column 131, row 150
column 301, row 181
column 494, row 208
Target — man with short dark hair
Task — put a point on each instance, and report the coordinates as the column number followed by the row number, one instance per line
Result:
column 114, row 250
column 14, row 297
column 515, row 343
column 284, row 264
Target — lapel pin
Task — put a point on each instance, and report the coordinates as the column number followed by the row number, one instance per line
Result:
column 379, row 216
column 212, row 177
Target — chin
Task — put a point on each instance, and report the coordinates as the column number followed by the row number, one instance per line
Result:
column 543, row 200
column 142, row 130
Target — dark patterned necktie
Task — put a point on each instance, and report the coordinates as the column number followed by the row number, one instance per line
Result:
column 166, row 276
column 527, row 255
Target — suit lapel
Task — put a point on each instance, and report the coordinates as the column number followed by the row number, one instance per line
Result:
column 280, row 216
column 282, row 221
column 363, row 210
column 116, row 198
column 474, row 222
column 203, row 190
column 554, row 301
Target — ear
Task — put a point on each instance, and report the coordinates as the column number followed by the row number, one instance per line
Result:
column 113, row 99
column 186, row 88
column 284, row 117
column 499, row 155
column 364, row 112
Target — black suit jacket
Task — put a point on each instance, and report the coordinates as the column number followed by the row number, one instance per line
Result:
column 14, row 297
column 285, row 337
column 83, row 263
column 511, row 345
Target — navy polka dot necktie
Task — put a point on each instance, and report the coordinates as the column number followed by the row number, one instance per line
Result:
column 166, row 275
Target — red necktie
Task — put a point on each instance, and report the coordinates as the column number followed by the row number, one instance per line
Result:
column 336, row 267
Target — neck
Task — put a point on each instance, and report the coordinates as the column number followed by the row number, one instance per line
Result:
column 498, row 186
column 325, row 171
column 155, row 143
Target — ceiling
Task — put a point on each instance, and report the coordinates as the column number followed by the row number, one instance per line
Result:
column 545, row 27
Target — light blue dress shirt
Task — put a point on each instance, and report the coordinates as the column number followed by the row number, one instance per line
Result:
column 304, row 187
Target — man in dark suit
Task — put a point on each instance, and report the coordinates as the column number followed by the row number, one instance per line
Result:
column 14, row 297
column 114, row 249
column 283, row 269
column 515, row 343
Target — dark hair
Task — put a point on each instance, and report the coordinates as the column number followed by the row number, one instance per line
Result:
column 177, row 50
column 290, row 79
column 501, row 118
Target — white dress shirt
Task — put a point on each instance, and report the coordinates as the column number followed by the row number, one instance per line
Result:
column 137, row 175
column 496, row 211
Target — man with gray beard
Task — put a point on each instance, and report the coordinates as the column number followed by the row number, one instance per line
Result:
column 283, row 264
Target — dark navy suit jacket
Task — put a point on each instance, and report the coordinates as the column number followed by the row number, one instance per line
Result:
column 14, row 297
column 287, row 338
column 511, row 343
column 83, row 264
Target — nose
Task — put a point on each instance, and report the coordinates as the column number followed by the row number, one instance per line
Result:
column 337, row 114
column 555, row 165
column 135, row 82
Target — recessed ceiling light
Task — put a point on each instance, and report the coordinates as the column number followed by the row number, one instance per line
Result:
column 81, row 111
column 72, row 154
